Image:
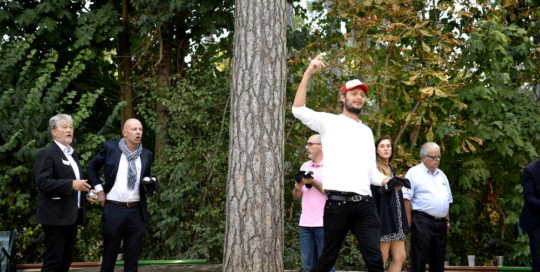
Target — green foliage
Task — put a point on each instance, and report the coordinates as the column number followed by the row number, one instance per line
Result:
column 42, row 74
column 96, row 26
column 193, row 15
column 188, row 215
column 31, row 94
column 502, row 113
column 47, row 73
column 474, row 97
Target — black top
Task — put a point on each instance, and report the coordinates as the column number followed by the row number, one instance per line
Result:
column 387, row 204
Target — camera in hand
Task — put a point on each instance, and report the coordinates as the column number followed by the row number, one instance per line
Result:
column 150, row 185
column 303, row 174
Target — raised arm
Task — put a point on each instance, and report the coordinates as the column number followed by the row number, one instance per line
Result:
column 315, row 65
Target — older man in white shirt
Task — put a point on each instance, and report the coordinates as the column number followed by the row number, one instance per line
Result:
column 427, row 204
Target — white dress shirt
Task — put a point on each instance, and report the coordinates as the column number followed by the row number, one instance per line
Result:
column 429, row 193
column 120, row 191
column 68, row 150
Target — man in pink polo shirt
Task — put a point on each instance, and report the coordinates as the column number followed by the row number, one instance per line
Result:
column 313, row 200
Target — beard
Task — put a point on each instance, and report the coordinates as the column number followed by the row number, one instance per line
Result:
column 351, row 109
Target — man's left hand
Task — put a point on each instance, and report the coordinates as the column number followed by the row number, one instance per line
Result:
column 396, row 183
column 92, row 199
column 102, row 197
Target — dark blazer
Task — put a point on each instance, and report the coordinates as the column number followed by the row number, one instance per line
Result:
column 108, row 159
column 530, row 214
column 57, row 201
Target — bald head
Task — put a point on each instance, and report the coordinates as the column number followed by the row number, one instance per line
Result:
column 132, row 133
column 314, row 148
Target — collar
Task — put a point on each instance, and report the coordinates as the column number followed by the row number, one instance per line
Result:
column 359, row 121
column 429, row 172
column 316, row 165
column 66, row 149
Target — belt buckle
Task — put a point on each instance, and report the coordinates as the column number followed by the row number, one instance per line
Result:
column 128, row 204
column 356, row 198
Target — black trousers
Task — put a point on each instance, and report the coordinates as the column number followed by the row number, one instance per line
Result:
column 428, row 242
column 362, row 220
column 534, row 244
column 59, row 247
column 122, row 223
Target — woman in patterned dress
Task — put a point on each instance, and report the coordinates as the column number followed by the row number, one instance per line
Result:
column 394, row 225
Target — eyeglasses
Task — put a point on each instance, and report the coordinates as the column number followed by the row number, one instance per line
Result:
column 438, row 157
column 310, row 144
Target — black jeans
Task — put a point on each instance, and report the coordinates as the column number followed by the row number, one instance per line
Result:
column 428, row 241
column 359, row 217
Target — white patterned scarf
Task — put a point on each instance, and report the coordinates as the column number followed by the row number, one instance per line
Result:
column 131, row 157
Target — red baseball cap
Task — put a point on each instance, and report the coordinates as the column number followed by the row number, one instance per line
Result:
column 353, row 84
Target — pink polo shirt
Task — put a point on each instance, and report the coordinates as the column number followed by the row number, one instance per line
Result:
column 312, row 200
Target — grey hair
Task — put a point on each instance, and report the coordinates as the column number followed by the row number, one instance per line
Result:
column 55, row 120
column 424, row 150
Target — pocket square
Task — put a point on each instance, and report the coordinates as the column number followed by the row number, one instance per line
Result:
column 65, row 162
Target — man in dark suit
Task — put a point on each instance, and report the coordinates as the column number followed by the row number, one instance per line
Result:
column 125, row 163
column 529, row 220
column 61, row 201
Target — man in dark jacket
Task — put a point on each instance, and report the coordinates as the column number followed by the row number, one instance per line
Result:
column 61, row 205
column 125, row 163
column 530, row 215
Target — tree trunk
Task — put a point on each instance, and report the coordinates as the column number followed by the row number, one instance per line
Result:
column 163, row 72
column 123, row 58
column 124, row 74
column 254, row 227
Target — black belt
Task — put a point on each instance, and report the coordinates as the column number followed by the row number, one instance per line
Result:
column 347, row 197
column 431, row 216
column 123, row 204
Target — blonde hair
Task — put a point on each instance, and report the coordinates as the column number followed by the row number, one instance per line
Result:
column 381, row 165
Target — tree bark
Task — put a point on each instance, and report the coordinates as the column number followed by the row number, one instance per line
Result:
column 123, row 56
column 163, row 71
column 124, row 74
column 254, row 227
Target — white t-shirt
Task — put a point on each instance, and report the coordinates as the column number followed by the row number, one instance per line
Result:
column 348, row 148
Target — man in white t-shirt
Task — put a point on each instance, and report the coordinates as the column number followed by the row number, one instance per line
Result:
column 349, row 169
